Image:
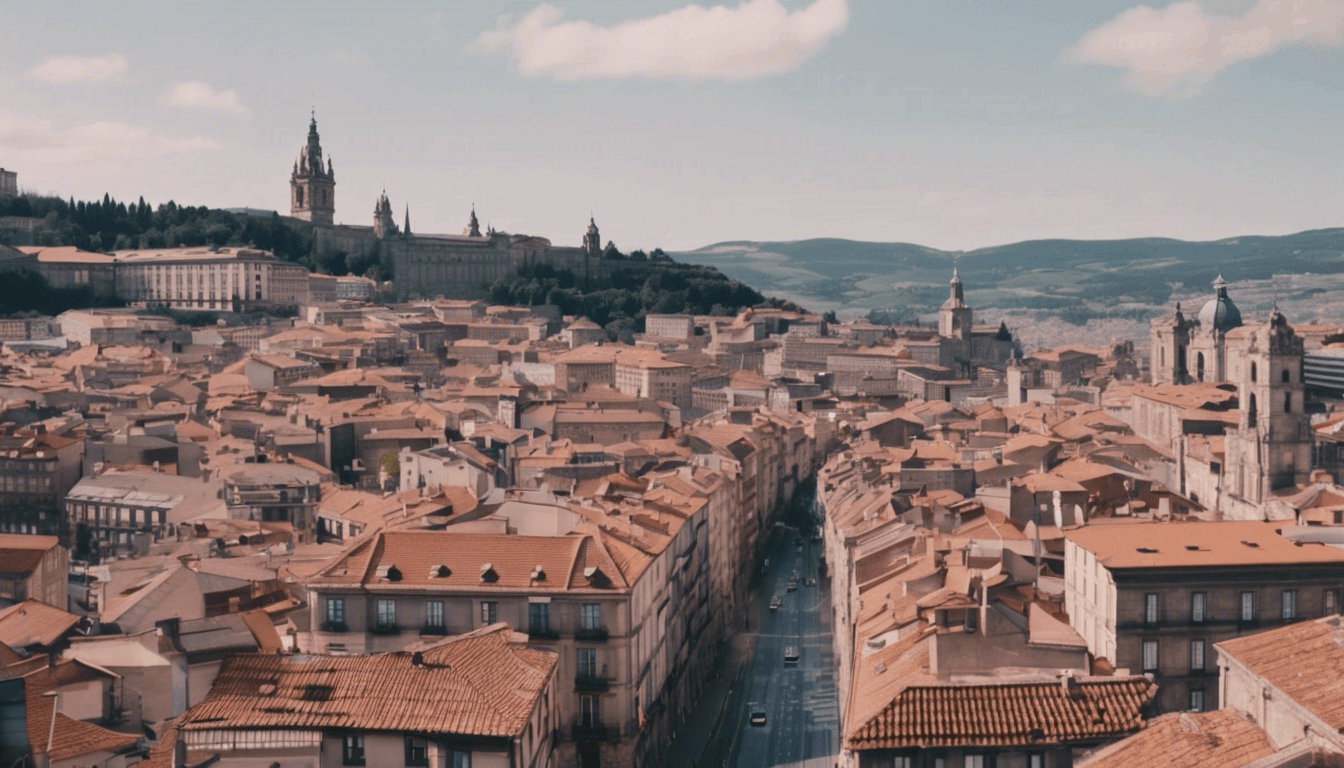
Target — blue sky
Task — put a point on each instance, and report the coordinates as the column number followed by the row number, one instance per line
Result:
column 952, row 124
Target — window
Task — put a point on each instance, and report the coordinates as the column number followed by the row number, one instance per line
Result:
column 336, row 610
column 1253, row 371
column 901, row 761
column 979, row 761
column 1150, row 608
column 538, row 618
column 1196, row 699
column 1287, row 376
column 417, row 751
column 434, row 614
column 489, row 611
column 1248, row 606
column 1149, row 655
column 587, row 662
column 387, row 613
column 1289, row 604
column 1196, row 655
column 589, row 714
column 591, row 616
column 461, row 759
column 1331, row 604
column 1288, row 402
column 1036, row 760
column 352, row 749
column 1199, row 602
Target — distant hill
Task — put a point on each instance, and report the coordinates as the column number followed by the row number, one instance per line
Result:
column 1079, row 281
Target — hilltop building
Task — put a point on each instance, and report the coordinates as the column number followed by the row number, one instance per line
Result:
column 9, row 183
column 963, row 346
column 426, row 265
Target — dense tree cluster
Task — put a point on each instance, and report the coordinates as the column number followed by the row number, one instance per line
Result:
column 629, row 292
column 111, row 225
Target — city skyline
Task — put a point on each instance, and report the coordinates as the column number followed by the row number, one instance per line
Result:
column 678, row 126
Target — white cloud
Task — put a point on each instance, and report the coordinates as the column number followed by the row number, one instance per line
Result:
column 80, row 69
column 198, row 94
column 1179, row 49
column 755, row 39
column 38, row 142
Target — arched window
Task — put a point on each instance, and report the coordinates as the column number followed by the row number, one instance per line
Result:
column 1253, row 371
column 1250, row 412
column 1199, row 366
column 298, row 195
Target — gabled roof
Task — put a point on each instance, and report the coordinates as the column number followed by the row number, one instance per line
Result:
column 1303, row 660
column 70, row 738
column 485, row 683
column 33, row 622
column 1188, row 740
column 20, row 554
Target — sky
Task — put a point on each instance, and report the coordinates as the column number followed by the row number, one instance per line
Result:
column 953, row 124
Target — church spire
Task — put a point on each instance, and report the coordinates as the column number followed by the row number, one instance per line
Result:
column 473, row 228
column 406, row 230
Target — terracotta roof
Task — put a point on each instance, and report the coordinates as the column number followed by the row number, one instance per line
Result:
column 1188, row 740
column 1197, row 544
column 485, row 683
column 1303, row 660
column 70, row 738
column 418, row 556
column 1010, row 714
column 20, row 554
column 34, row 622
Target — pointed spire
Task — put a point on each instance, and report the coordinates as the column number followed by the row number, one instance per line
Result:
column 956, row 278
column 407, row 229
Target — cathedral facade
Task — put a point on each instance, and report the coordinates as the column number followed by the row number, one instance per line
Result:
column 1270, row 447
column 427, row 265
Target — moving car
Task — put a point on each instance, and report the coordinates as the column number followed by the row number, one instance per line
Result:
column 793, row 585
column 775, row 602
column 758, row 717
column 811, row 582
column 791, row 655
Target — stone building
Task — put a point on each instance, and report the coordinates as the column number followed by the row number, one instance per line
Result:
column 9, row 183
column 426, row 265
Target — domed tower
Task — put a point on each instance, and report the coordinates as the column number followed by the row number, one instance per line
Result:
column 312, row 185
column 384, row 224
column 1207, row 358
column 1271, row 447
column 473, row 228
column 954, row 317
column 592, row 241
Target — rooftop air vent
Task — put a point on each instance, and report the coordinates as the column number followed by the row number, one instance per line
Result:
column 538, row 574
column 1147, row 550
column 441, row 572
column 1252, row 544
column 488, row 573
column 393, row 573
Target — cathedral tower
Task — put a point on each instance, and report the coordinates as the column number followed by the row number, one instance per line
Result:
column 1271, row 447
column 954, row 317
column 592, row 241
column 384, row 223
column 312, row 186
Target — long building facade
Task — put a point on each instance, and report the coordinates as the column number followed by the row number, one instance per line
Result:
column 427, row 265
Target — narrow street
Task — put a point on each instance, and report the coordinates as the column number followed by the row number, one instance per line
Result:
column 798, row 699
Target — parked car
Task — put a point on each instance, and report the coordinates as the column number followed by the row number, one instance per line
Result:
column 793, row 585
column 776, row 602
column 758, row 717
column 791, row 655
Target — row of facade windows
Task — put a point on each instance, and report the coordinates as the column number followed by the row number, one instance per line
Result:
column 538, row 614
column 416, row 752
column 1248, row 610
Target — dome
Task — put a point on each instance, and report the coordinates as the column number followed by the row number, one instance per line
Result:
column 1219, row 313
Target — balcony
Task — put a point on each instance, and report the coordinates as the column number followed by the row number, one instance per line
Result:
column 335, row 626
column 542, row 633
column 385, row 629
column 436, row 630
column 591, row 684
column 592, row 730
column 591, row 635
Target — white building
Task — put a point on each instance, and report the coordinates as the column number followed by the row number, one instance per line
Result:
column 229, row 279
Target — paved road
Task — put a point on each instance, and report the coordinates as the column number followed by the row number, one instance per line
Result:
column 799, row 700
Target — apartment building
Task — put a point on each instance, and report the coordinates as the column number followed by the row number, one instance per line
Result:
column 1155, row 597
column 33, row 568
column 37, row 469
column 645, row 373
column 226, row 279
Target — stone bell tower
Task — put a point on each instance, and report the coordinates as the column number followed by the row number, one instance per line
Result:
column 312, row 186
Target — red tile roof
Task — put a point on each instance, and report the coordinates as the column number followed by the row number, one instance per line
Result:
column 480, row 684
column 1010, row 714
column 1303, row 660
column 1188, row 740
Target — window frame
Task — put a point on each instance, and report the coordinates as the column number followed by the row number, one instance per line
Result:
column 489, row 612
column 337, row 617
column 411, row 747
column 385, row 612
column 539, row 618
column 593, row 621
column 1199, row 607
column 1198, row 702
column 433, row 607
column 352, row 749
column 1247, row 609
column 1288, row 605
column 1152, row 608
column 1156, row 655
column 585, row 662
column 1198, row 655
